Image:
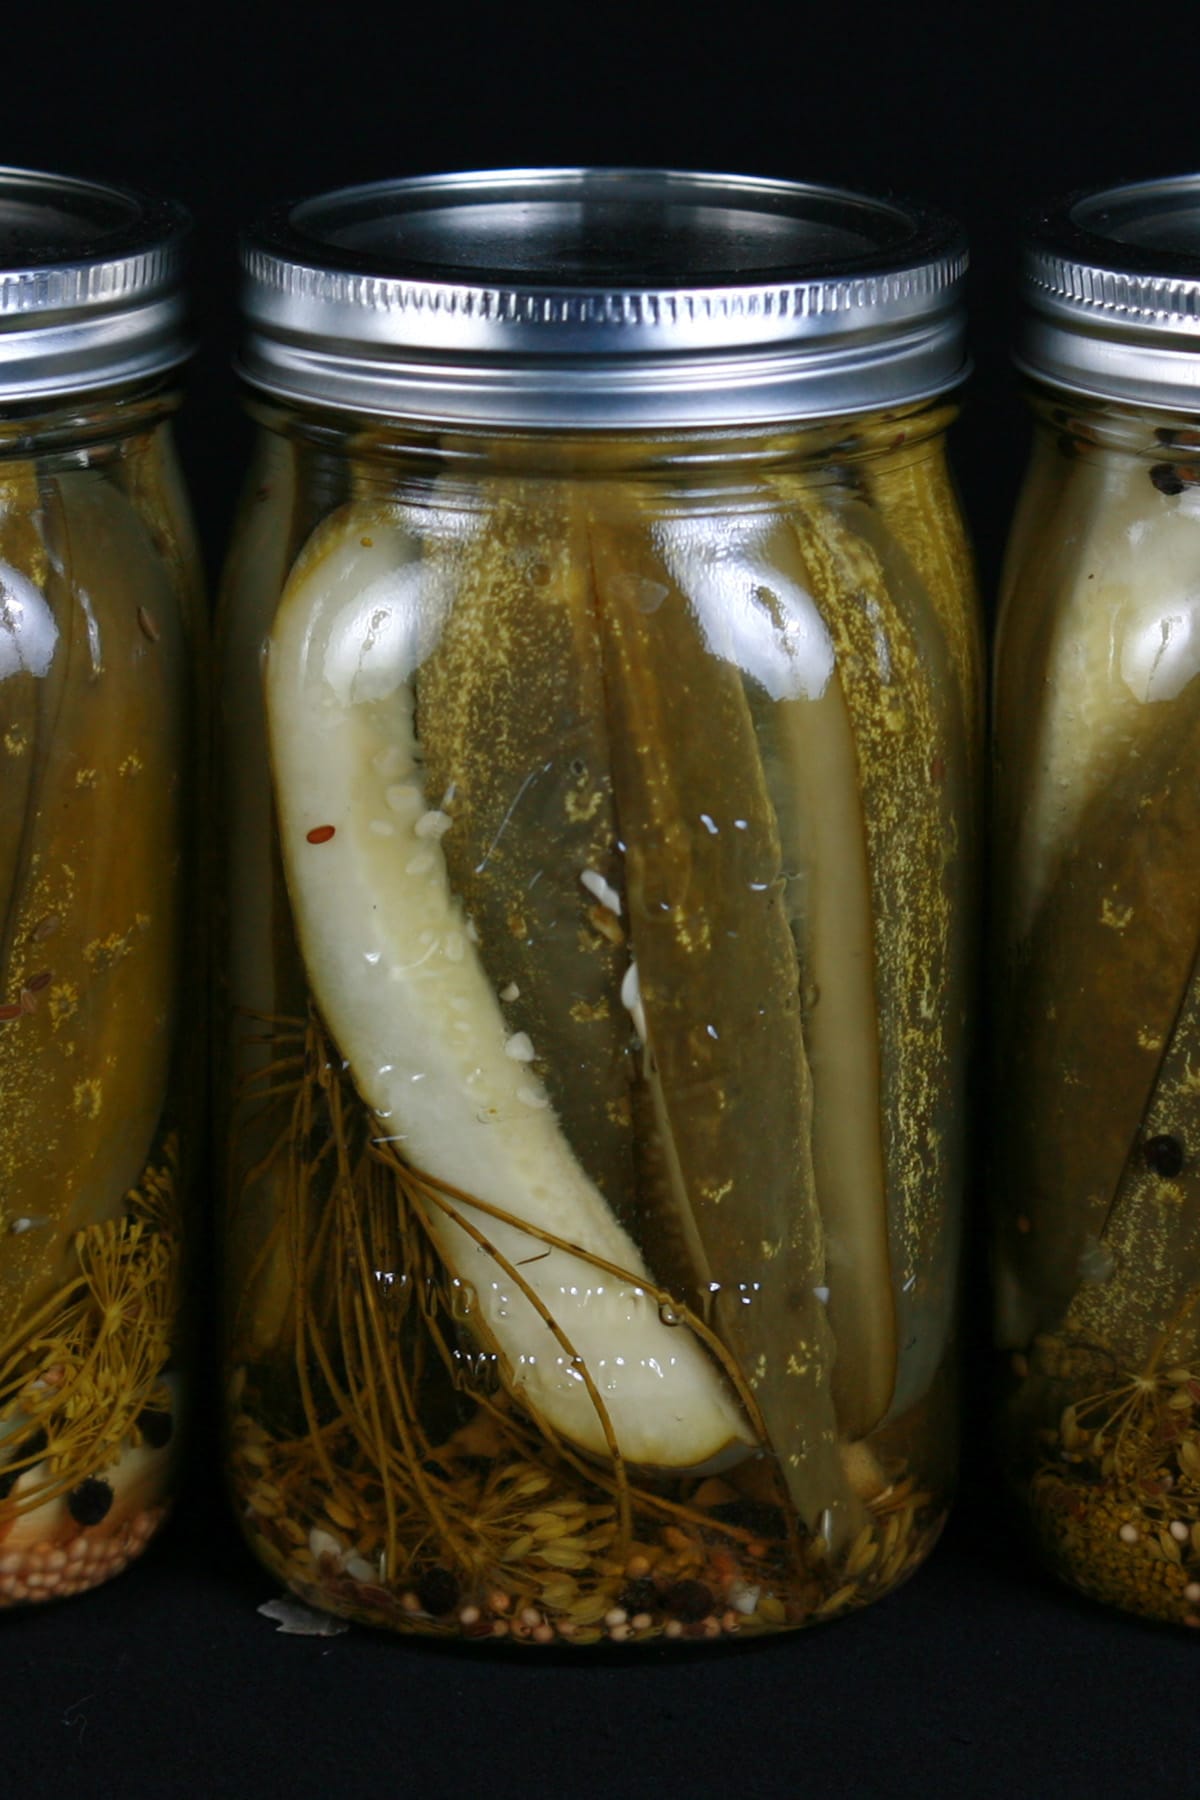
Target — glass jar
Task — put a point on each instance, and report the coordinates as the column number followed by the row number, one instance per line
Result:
column 1098, row 915
column 601, row 706
column 99, row 586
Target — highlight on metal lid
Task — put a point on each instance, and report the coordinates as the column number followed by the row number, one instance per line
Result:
column 90, row 292
column 1111, row 281
column 602, row 298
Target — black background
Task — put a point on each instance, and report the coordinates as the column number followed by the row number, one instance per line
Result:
column 981, row 1677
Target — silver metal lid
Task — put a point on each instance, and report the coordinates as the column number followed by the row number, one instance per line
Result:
column 1112, row 283
column 602, row 298
column 89, row 286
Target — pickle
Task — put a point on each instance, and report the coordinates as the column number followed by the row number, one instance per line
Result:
column 1124, row 641
column 914, row 495
column 1152, row 1232
column 266, row 543
column 807, row 746
column 90, row 945
column 261, row 962
column 510, row 719
column 149, row 473
column 1095, row 993
column 912, row 781
column 714, row 988
column 406, row 996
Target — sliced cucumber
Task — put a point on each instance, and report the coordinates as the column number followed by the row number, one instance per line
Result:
column 717, row 982
column 406, row 996
column 757, row 607
column 512, row 725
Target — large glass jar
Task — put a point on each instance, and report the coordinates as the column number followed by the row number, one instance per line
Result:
column 601, row 705
column 98, row 1074
column 1097, row 855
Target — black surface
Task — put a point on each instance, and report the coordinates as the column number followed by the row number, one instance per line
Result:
column 980, row 1678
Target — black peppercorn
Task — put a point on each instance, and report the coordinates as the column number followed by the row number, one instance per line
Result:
column 1166, row 479
column 1164, row 1154
column 90, row 1501
column 437, row 1591
column 640, row 1596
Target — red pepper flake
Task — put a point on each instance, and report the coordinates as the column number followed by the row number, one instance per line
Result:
column 10, row 1011
column 321, row 834
column 149, row 628
column 36, row 983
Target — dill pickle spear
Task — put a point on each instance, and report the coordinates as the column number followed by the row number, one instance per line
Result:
column 1152, row 1232
column 510, row 717
column 90, row 938
column 914, row 494
column 150, row 474
column 1119, row 581
column 753, row 594
column 912, row 780
column 262, row 965
column 267, row 540
column 1095, row 993
column 714, row 988
column 415, row 1013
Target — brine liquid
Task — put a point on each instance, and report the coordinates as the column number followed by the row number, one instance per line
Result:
column 594, row 1155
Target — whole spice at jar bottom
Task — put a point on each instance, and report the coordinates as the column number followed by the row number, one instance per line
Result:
column 87, row 1405
column 1114, row 1495
column 701, row 1583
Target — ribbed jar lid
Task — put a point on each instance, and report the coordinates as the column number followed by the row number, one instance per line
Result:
column 1111, row 279
column 602, row 298
column 89, row 286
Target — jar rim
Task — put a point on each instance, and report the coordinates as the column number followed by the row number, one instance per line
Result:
column 616, row 298
column 1111, row 286
column 90, row 285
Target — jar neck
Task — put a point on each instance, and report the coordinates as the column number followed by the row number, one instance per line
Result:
column 1082, row 424
column 820, row 444
column 80, row 425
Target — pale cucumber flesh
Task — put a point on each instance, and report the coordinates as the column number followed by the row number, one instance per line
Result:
column 404, row 993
